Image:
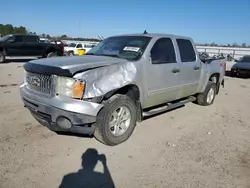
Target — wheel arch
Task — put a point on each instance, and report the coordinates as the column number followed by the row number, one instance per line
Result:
column 131, row 90
column 50, row 49
column 215, row 77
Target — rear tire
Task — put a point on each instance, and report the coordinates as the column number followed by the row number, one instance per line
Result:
column 2, row 57
column 104, row 132
column 207, row 97
column 51, row 54
column 71, row 54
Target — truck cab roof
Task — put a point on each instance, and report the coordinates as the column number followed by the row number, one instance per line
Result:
column 155, row 35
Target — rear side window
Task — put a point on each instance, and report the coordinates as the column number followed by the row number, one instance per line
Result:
column 186, row 49
column 163, row 51
column 31, row 39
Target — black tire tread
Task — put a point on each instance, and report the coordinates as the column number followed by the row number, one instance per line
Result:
column 103, row 117
column 51, row 53
column 201, row 97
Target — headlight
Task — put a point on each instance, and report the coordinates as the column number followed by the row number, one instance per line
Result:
column 24, row 76
column 70, row 87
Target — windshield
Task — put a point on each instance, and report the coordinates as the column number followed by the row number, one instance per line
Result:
column 5, row 37
column 127, row 47
column 245, row 59
column 72, row 45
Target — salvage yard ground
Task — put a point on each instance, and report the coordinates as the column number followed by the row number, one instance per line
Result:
column 192, row 146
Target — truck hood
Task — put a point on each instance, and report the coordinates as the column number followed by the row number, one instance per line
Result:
column 242, row 65
column 69, row 65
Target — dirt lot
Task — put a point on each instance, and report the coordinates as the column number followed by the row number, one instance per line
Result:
column 192, row 146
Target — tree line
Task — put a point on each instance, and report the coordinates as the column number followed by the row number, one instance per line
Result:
column 243, row 45
column 10, row 29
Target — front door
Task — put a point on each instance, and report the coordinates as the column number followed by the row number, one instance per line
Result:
column 162, row 73
column 15, row 46
column 190, row 68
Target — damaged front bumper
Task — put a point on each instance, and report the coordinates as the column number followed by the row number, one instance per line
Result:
column 59, row 113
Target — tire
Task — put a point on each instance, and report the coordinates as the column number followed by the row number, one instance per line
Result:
column 51, row 54
column 70, row 53
column 206, row 98
column 233, row 74
column 103, row 132
column 2, row 57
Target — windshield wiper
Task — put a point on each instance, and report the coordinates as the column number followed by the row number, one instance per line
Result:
column 111, row 55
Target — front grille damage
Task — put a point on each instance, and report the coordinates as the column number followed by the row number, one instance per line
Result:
column 40, row 83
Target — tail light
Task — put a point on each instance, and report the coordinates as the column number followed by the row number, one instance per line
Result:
column 225, row 66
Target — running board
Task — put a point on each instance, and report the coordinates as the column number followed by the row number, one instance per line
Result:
column 168, row 107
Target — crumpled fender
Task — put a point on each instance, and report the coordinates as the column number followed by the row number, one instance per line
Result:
column 100, row 81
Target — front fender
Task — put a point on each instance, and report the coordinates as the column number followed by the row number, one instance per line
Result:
column 100, row 81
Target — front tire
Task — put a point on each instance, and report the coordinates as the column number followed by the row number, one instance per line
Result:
column 207, row 97
column 2, row 57
column 116, row 120
column 233, row 74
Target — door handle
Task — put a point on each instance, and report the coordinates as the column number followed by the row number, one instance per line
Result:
column 196, row 68
column 175, row 70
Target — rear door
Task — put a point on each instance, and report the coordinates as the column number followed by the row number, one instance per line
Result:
column 190, row 67
column 15, row 46
column 33, row 46
column 162, row 73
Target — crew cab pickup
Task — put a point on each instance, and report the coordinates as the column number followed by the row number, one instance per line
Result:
column 117, row 83
column 27, row 45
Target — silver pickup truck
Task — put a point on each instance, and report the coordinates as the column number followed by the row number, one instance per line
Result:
column 117, row 83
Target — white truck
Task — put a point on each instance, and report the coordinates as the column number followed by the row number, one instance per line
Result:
column 72, row 48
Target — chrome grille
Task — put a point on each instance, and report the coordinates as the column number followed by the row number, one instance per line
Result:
column 40, row 83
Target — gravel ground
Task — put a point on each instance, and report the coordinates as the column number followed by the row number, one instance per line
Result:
column 192, row 146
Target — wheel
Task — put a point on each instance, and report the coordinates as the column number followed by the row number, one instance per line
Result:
column 2, row 57
column 233, row 73
column 70, row 53
column 207, row 97
column 116, row 120
column 51, row 54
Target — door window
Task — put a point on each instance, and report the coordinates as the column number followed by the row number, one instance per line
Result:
column 18, row 38
column 186, row 49
column 163, row 51
column 31, row 39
